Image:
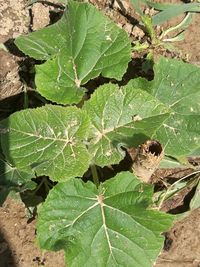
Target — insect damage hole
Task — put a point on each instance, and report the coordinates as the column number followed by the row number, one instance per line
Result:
column 155, row 148
column 147, row 160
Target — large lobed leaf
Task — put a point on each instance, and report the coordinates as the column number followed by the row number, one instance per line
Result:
column 177, row 85
column 109, row 226
column 80, row 46
column 49, row 140
column 121, row 117
column 52, row 140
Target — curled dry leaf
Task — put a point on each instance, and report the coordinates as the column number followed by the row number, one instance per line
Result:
column 147, row 159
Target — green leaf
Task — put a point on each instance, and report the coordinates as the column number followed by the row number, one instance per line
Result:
column 121, row 117
column 109, row 226
column 174, row 11
column 79, row 47
column 49, row 140
column 195, row 153
column 14, row 179
column 169, row 162
column 177, row 85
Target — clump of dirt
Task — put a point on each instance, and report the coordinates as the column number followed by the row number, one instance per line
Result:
column 18, row 246
column 10, row 84
column 40, row 15
column 14, row 19
column 9, row 76
column 182, row 243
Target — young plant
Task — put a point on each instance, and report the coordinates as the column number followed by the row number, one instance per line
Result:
column 166, row 12
column 97, row 223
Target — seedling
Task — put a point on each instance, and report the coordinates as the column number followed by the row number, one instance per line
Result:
column 165, row 13
column 97, row 223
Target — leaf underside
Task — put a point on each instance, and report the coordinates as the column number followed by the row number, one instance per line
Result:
column 109, row 226
column 82, row 45
column 48, row 140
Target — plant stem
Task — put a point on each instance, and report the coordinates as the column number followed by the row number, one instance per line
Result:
column 94, row 175
column 26, row 100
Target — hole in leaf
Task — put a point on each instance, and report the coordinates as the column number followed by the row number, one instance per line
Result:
column 155, row 148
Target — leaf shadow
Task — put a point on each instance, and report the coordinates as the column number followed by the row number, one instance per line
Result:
column 137, row 67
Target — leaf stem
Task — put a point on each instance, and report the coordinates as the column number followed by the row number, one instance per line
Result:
column 94, row 175
column 25, row 91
